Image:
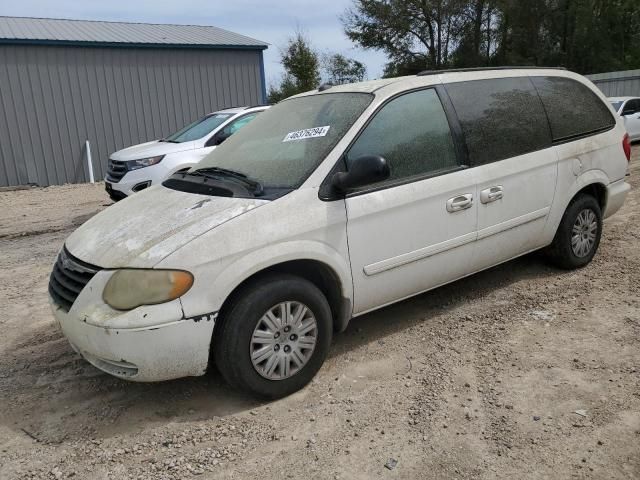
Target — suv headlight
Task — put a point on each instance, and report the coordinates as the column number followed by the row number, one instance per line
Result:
column 144, row 162
column 131, row 288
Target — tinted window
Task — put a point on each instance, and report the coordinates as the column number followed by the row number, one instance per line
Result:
column 412, row 133
column 241, row 122
column 573, row 109
column 237, row 124
column 632, row 106
column 500, row 118
column 199, row 128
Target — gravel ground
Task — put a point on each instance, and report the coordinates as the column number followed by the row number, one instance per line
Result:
column 478, row 379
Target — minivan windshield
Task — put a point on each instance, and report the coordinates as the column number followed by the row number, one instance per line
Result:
column 285, row 144
column 199, row 128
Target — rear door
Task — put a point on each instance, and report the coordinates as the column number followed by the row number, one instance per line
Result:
column 416, row 230
column 579, row 118
column 509, row 143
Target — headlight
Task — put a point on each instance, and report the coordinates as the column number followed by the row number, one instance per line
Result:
column 144, row 162
column 130, row 288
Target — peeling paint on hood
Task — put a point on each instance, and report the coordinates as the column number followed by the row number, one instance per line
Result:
column 146, row 227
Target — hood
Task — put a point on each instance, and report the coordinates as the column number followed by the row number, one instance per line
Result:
column 151, row 149
column 141, row 230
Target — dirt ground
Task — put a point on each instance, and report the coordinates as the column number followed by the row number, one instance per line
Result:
column 479, row 379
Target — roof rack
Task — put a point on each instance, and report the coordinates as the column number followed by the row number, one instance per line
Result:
column 482, row 69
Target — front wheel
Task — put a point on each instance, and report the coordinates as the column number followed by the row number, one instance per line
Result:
column 274, row 336
column 578, row 235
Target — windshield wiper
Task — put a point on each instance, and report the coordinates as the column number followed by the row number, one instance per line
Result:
column 167, row 140
column 217, row 172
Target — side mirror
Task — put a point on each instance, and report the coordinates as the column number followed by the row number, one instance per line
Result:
column 363, row 170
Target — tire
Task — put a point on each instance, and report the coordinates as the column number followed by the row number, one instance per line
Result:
column 234, row 342
column 562, row 252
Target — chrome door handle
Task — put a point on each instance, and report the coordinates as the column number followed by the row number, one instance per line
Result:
column 491, row 194
column 460, row 202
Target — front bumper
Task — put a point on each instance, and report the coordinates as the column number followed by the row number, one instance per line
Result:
column 132, row 180
column 175, row 349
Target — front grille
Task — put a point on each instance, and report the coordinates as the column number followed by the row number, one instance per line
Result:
column 68, row 278
column 116, row 170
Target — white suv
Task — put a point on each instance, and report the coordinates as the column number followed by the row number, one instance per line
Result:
column 330, row 205
column 629, row 109
column 135, row 168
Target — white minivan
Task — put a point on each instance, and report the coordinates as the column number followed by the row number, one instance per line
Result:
column 135, row 168
column 334, row 203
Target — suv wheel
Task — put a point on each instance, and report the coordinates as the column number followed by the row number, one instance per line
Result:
column 578, row 235
column 274, row 336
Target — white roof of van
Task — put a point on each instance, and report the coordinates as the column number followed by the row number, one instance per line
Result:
column 366, row 87
column 438, row 76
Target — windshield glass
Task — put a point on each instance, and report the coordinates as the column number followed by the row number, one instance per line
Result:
column 199, row 128
column 283, row 145
column 616, row 105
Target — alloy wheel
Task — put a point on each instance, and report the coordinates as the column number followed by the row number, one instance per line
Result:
column 283, row 340
column 583, row 234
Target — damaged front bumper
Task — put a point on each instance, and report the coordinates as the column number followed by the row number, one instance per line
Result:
column 147, row 344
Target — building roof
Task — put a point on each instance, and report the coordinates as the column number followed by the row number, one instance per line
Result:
column 50, row 31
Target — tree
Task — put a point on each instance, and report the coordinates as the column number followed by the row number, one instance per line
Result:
column 301, row 65
column 340, row 69
column 411, row 32
column 476, row 37
column 587, row 36
column 286, row 89
column 402, row 68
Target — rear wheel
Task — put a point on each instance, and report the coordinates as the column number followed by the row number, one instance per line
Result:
column 578, row 235
column 274, row 336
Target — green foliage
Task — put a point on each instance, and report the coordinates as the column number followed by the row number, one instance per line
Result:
column 402, row 68
column 287, row 88
column 410, row 32
column 587, row 36
column 340, row 69
column 302, row 69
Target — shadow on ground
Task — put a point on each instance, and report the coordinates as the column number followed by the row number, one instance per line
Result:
column 74, row 400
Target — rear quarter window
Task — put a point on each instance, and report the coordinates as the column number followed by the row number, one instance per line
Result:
column 500, row 118
column 573, row 109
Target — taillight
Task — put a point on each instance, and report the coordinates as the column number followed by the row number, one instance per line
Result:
column 626, row 146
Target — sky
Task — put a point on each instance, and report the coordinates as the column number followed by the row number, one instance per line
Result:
column 270, row 21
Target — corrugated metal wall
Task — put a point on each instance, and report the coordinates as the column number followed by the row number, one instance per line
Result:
column 54, row 98
column 618, row 84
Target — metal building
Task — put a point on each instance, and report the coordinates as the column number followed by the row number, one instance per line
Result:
column 63, row 82
column 618, row 84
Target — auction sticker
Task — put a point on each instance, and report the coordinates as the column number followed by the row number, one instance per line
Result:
column 306, row 133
